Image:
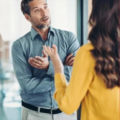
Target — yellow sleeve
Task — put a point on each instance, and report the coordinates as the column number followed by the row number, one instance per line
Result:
column 69, row 97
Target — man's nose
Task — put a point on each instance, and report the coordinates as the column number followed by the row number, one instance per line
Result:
column 43, row 12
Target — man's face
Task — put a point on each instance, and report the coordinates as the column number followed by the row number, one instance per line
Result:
column 39, row 14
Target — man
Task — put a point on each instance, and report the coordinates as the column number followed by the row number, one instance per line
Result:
column 34, row 69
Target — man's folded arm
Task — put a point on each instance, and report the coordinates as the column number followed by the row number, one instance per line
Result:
column 73, row 46
column 28, row 83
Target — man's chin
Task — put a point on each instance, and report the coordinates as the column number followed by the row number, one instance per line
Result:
column 43, row 26
column 46, row 26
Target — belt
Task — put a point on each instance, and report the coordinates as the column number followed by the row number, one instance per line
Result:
column 42, row 110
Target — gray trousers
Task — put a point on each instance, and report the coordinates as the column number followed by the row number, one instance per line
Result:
column 28, row 114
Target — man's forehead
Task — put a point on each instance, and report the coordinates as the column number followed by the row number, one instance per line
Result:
column 35, row 3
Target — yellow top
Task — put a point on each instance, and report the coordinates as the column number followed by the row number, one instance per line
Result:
column 98, row 102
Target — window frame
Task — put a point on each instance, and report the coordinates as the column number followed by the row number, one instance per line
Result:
column 82, row 29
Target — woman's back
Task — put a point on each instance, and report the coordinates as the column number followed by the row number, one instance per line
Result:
column 104, row 91
column 100, row 103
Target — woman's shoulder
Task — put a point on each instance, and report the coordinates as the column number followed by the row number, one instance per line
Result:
column 86, row 48
column 85, row 53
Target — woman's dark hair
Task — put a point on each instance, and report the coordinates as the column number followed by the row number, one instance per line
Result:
column 25, row 6
column 104, row 36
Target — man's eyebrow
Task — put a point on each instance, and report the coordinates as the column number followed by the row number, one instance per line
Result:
column 34, row 8
column 37, row 7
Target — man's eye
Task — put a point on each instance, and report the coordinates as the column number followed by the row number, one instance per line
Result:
column 36, row 10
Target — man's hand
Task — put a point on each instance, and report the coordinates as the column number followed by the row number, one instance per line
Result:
column 40, row 62
column 69, row 60
column 57, row 63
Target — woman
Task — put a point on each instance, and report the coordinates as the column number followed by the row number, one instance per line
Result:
column 95, row 77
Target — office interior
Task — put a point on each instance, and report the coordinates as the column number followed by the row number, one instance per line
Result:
column 70, row 15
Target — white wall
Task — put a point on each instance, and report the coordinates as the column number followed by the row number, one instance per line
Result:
column 13, row 24
column 63, row 13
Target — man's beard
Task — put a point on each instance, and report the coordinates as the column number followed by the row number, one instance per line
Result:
column 41, row 26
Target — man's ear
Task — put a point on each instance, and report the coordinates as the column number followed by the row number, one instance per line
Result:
column 27, row 17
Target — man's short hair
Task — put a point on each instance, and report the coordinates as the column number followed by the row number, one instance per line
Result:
column 25, row 6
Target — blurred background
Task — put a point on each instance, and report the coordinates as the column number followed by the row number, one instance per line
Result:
column 70, row 15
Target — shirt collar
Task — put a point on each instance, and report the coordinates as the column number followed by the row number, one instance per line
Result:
column 34, row 33
column 52, row 30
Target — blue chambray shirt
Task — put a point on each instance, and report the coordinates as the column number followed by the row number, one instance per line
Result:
column 37, row 85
